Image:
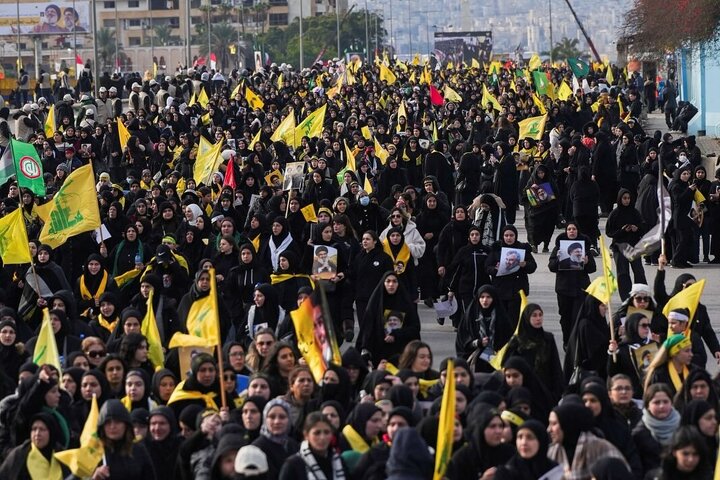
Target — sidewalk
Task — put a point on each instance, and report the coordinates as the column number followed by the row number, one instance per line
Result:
column 708, row 145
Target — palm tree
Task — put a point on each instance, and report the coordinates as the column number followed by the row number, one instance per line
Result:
column 163, row 34
column 105, row 39
column 566, row 48
column 222, row 36
column 260, row 12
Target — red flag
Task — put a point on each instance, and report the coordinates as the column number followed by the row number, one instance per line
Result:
column 230, row 174
column 79, row 62
column 436, row 97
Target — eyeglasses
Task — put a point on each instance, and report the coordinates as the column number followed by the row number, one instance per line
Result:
column 237, row 354
column 96, row 354
column 642, row 299
column 396, row 216
column 644, row 325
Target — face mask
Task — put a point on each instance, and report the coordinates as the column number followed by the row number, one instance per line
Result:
column 364, row 201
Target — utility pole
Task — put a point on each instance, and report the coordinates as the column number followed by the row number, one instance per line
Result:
column 367, row 38
column 551, row 34
column 337, row 27
column 188, row 19
column 301, row 34
column 96, row 69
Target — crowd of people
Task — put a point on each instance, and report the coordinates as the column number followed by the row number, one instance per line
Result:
column 402, row 200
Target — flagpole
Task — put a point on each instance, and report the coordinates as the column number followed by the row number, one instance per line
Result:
column 661, row 201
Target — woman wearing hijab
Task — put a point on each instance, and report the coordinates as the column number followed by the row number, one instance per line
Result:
column 510, row 284
column 91, row 285
column 430, row 222
column 316, row 457
column 274, row 439
column 413, row 239
column 265, row 312
column 13, row 353
column 383, row 335
column 240, row 285
column 40, row 284
column 485, row 449
column 137, row 391
column 124, row 257
column 287, row 280
column 636, row 335
column 697, row 386
column 586, row 346
column 199, row 290
column 611, row 468
column 107, row 317
column 506, row 179
column 280, row 241
column 671, row 365
column 404, row 264
column 681, row 194
column 489, row 217
column 65, row 340
column 484, row 326
column 361, row 430
column 659, row 422
column 467, row 271
column 703, row 416
column 201, row 387
column 163, row 383
column 574, row 446
column 530, row 461
column 625, row 225
column 542, row 215
column 191, row 247
column 610, row 423
column 34, row 457
column 570, row 284
column 688, row 457
column 367, row 269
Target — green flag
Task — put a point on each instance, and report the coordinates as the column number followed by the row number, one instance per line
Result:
column 541, row 83
column 28, row 167
column 579, row 68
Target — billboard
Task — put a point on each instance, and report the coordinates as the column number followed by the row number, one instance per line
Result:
column 51, row 18
column 458, row 47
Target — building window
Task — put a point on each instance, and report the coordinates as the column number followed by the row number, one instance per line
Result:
column 109, row 23
column 134, row 41
column 133, row 3
column 277, row 19
column 134, row 22
column 109, row 4
column 174, row 22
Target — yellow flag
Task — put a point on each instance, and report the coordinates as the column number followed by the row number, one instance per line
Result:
column 285, row 132
column 192, row 101
column 236, row 90
column 185, row 340
column 416, row 59
column 449, row 66
column 202, row 319
column 401, row 65
column 490, row 98
column 609, row 76
column 46, row 350
column 73, row 209
column 496, row 361
column 534, row 62
column 513, row 87
column 256, row 243
column 253, row 99
column 451, row 95
column 308, row 212
column 564, row 92
column 387, row 75
column 367, row 186
column 333, row 92
column 350, row 160
column 202, row 98
column 435, row 132
column 123, row 134
column 426, row 76
column 474, row 64
column 280, row 81
column 412, row 78
column 14, row 248
column 367, row 135
column 539, row 104
column 699, row 197
column 446, row 426
column 50, row 122
column 381, row 152
column 610, row 279
column 207, row 161
column 533, row 127
column 149, row 328
column 255, row 139
column 688, row 297
column 83, row 461
column 310, row 127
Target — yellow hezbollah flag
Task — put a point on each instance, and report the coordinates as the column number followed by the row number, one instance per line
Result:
column 13, row 239
column 285, row 132
column 603, row 287
column 534, row 62
column 426, row 76
column 253, row 99
column 564, row 92
column 688, row 297
column 202, row 319
column 73, row 209
column 367, row 186
column 487, row 97
column 207, row 161
column 46, row 350
column 381, row 152
column 416, row 59
column 367, row 135
column 280, row 81
column 350, row 160
column 192, row 100
column 237, row 90
column 149, row 328
column 308, row 212
column 496, row 361
column 446, row 425
column 255, row 139
column 699, row 197
column 312, row 125
column 387, row 75
column 50, row 122
column 609, row 76
column 451, row 95
column 202, row 98
column 539, row 104
column 401, row 113
column 123, row 134
column 185, row 340
column 83, row 461
column 533, row 127
column 475, row 64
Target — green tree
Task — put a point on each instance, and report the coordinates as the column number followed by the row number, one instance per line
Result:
column 319, row 35
column 566, row 48
column 163, row 35
column 222, row 36
column 105, row 39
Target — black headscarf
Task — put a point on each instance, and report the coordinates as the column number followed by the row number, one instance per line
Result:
column 574, row 419
column 539, row 464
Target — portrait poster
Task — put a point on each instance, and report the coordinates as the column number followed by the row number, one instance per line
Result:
column 392, row 320
column 571, row 255
column 294, row 176
column 510, row 259
column 540, row 194
column 325, row 262
column 186, row 354
column 275, row 179
column 643, row 357
column 45, row 18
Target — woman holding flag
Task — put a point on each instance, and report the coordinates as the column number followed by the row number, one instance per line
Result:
column 34, row 458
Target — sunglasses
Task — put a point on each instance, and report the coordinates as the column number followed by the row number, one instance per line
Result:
column 96, row 354
column 644, row 325
column 642, row 299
